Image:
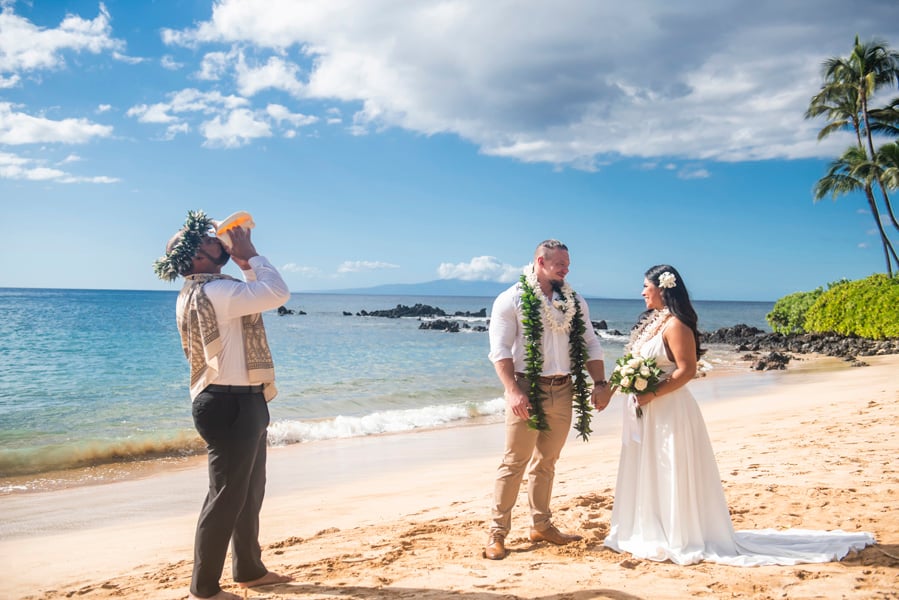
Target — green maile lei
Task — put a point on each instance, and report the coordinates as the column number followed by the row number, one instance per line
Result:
column 532, row 307
column 180, row 258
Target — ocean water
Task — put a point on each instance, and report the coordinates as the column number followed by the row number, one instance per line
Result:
column 93, row 377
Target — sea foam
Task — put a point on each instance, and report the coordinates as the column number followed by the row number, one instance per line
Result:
column 389, row 421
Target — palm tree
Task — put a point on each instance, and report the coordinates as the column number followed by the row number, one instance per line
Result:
column 886, row 120
column 888, row 159
column 849, row 84
column 886, row 165
column 850, row 173
column 838, row 103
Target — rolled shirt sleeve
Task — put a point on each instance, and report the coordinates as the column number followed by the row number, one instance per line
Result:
column 505, row 326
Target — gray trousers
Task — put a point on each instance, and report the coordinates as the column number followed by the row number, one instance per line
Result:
column 233, row 425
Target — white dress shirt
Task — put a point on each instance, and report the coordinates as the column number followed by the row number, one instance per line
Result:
column 507, row 335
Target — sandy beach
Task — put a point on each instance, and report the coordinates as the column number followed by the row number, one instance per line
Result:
column 404, row 516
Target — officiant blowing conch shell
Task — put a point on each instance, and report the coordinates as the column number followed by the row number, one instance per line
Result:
column 232, row 379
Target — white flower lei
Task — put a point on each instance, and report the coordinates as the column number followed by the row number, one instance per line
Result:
column 647, row 330
column 559, row 323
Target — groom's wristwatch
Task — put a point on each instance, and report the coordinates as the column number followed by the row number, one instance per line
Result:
column 601, row 383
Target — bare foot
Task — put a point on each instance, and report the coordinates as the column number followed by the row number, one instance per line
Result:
column 222, row 595
column 267, row 579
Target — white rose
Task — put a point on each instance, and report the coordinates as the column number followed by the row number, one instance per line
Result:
column 635, row 363
column 625, row 382
column 644, row 371
column 640, row 384
column 626, row 371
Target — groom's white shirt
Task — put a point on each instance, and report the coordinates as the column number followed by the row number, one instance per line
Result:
column 507, row 335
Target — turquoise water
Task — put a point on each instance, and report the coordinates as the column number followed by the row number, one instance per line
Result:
column 91, row 377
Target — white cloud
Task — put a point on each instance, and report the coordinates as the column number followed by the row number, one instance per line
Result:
column 173, row 131
column 131, row 60
column 277, row 74
column 168, row 62
column 13, row 166
column 693, row 173
column 281, row 113
column 155, row 113
column 239, row 127
column 301, row 270
column 9, row 82
column 354, row 266
column 573, row 84
column 102, row 108
column 18, row 128
column 480, row 268
column 70, row 159
column 214, row 65
column 26, row 47
column 231, row 125
column 229, row 120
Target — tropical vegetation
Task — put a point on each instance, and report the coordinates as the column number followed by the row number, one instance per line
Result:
column 788, row 314
column 845, row 102
column 867, row 308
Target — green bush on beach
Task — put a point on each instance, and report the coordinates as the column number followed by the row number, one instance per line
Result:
column 866, row 307
column 788, row 314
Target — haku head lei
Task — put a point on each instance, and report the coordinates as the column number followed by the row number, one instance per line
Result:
column 667, row 280
column 183, row 247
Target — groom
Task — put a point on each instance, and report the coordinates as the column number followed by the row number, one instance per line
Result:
column 510, row 339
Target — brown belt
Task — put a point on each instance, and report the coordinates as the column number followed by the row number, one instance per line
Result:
column 554, row 380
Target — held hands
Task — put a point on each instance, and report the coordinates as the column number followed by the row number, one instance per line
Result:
column 242, row 249
column 601, row 396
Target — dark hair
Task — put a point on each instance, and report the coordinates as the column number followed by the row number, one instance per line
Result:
column 677, row 299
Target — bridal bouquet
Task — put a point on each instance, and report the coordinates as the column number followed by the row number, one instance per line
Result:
column 636, row 375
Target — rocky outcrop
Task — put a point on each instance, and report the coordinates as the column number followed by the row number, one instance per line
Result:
column 751, row 339
column 481, row 314
column 441, row 325
column 401, row 310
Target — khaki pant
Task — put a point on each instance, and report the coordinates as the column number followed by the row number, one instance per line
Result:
column 536, row 451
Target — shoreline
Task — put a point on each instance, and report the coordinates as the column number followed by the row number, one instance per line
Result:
column 394, row 515
column 127, row 460
column 727, row 364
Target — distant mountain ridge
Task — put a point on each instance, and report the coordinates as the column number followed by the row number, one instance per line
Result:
column 437, row 287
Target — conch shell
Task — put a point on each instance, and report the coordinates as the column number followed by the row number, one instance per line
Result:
column 239, row 219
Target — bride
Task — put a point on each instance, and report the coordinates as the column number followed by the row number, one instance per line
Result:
column 669, row 502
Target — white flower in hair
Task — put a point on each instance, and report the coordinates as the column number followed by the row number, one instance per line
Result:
column 667, row 280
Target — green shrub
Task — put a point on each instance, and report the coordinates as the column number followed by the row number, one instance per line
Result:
column 867, row 308
column 788, row 314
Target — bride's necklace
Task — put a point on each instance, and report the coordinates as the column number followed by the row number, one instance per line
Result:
column 647, row 330
column 559, row 320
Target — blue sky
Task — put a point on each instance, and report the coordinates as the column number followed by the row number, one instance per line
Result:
column 400, row 142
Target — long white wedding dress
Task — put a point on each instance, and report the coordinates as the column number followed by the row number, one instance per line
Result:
column 669, row 502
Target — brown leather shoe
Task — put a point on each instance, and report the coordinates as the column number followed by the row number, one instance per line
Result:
column 496, row 547
column 553, row 536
